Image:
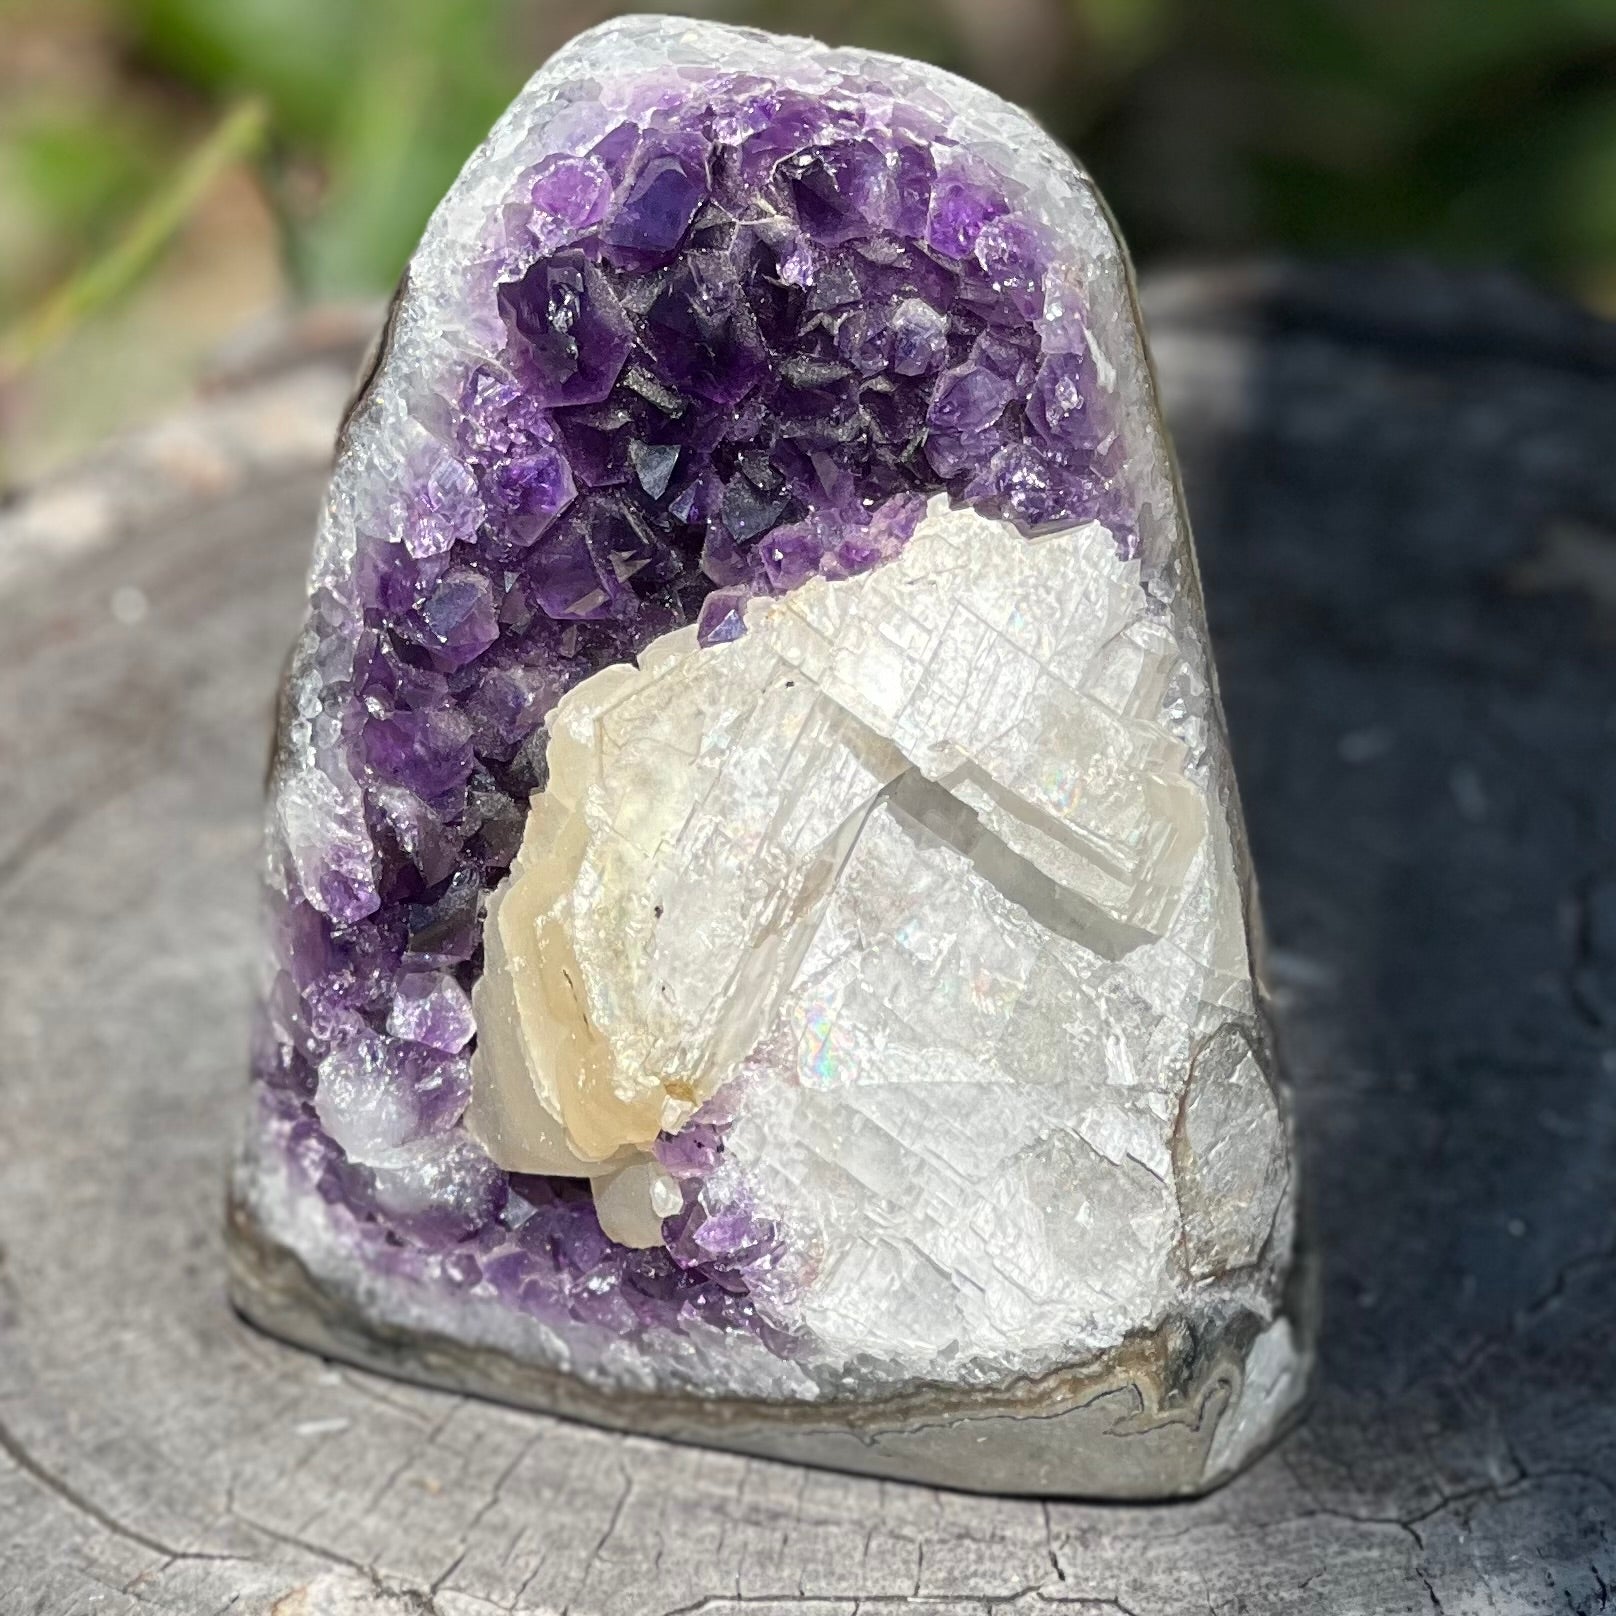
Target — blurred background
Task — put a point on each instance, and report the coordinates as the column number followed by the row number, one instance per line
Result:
column 173, row 172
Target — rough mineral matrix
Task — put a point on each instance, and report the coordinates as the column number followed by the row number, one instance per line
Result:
column 761, row 948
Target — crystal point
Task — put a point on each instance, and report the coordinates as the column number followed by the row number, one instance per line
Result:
column 760, row 946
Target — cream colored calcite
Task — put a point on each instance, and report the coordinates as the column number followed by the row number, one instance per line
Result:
column 926, row 863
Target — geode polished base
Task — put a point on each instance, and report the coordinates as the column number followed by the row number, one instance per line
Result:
column 761, row 943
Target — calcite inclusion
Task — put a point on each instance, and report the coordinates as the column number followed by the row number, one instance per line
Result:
column 759, row 940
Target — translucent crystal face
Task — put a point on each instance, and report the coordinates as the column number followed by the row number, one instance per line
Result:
column 913, row 881
column 709, row 322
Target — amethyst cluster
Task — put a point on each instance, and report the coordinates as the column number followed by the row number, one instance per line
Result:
column 738, row 338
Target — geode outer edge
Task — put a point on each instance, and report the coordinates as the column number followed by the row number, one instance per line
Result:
column 382, row 1235
column 1166, row 1415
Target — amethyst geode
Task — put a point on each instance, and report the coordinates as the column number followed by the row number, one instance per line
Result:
column 719, row 345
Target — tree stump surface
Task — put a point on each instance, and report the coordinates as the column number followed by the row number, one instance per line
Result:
column 1404, row 485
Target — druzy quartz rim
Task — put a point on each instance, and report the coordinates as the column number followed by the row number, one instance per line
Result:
column 633, row 389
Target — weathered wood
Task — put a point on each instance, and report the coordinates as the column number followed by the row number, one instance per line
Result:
column 1406, row 501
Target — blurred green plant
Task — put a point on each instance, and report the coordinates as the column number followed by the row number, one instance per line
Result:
column 376, row 104
column 106, row 278
column 1462, row 128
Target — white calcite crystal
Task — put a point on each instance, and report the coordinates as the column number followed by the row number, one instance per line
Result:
column 926, row 865
column 763, row 947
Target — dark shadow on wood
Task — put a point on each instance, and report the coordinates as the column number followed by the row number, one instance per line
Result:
column 1424, row 721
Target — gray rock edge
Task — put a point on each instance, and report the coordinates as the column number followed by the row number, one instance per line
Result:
column 1138, row 1422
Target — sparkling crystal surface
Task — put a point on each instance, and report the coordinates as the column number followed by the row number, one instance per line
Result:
column 933, row 902
column 781, row 414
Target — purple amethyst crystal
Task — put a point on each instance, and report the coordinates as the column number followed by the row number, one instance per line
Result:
column 689, row 332
column 744, row 336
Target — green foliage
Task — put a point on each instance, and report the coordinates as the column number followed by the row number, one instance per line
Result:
column 64, row 185
column 1466, row 111
column 68, row 167
column 1466, row 128
column 381, row 99
column 110, row 275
